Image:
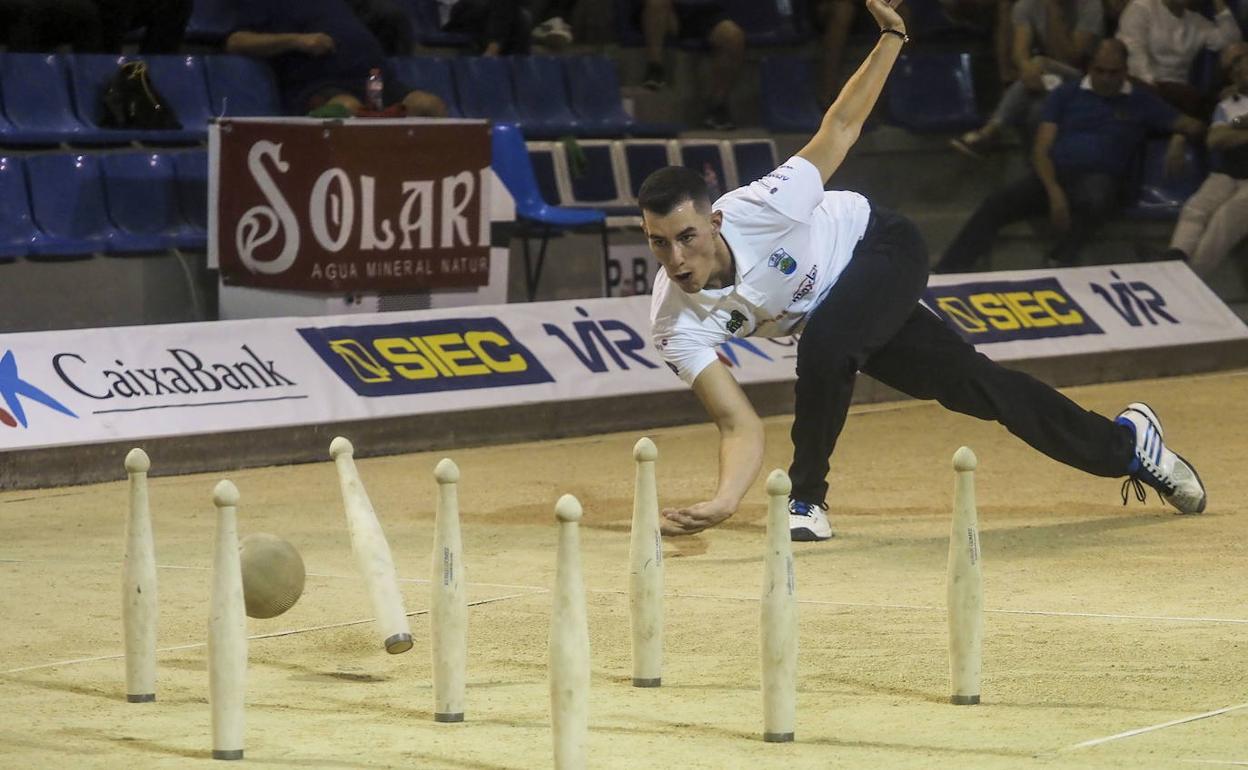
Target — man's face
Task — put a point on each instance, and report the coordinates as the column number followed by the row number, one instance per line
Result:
column 683, row 241
column 1107, row 71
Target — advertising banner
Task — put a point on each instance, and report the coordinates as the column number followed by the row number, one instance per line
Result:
column 357, row 205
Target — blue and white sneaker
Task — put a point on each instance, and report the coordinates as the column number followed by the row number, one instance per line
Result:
column 1165, row 471
column 808, row 522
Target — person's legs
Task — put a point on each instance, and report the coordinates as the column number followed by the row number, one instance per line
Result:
column 165, row 22
column 422, row 104
column 1227, row 227
column 508, row 23
column 973, row 242
column 870, row 301
column 1194, row 218
column 389, row 23
column 834, row 17
column 658, row 19
column 727, row 41
column 928, row 360
column 1093, row 200
column 38, row 26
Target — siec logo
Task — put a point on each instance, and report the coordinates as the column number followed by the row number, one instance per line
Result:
column 999, row 311
column 13, row 389
column 426, row 356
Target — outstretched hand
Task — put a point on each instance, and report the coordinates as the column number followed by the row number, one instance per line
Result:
column 693, row 519
column 886, row 15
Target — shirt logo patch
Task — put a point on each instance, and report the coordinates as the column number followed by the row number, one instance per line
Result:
column 782, row 261
column 735, row 322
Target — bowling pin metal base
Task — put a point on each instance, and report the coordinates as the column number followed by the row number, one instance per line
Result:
column 656, row 682
column 449, row 717
column 399, row 643
column 230, row 754
column 777, row 737
column 964, row 700
column 145, row 698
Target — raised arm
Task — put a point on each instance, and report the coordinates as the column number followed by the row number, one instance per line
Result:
column 843, row 121
column 740, row 452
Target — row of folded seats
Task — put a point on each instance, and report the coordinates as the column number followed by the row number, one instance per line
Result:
column 607, row 175
column 58, row 99
column 57, row 206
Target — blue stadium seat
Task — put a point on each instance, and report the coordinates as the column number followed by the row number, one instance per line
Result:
column 429, row 73
column 933, row 92
column 211, row 20
column 594, row 84
column 67, row 200
column 542, row 156
column 425, row 23
column 707, row 157
column 37, row 102
column 241, row 87
column 789, row 101
column 754, row 159
column 511, row 163
column 17, row 226
column 191, row 172
column 142, row 197
column 542, row 97
column 180, row 80
column 1161, row 197
column 596, row 178
column 643, row 157
column 763, row 22
column 484, row 88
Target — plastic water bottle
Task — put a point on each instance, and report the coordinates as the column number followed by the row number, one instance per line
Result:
column 374, row 90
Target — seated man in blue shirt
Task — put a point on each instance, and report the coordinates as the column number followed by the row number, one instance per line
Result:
column 322, row 54
column 1090, row 133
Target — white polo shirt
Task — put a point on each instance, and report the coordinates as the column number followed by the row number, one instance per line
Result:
column 790, row 241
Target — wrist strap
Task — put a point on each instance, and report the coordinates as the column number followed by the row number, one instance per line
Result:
column 890, row 31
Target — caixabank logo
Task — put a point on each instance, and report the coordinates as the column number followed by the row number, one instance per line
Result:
column 426, row 356
column 14, row 390
column 1001, row 311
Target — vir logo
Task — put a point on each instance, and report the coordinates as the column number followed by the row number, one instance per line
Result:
column 12, row 387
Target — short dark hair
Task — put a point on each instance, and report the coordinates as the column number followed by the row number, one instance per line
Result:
column 671, row 186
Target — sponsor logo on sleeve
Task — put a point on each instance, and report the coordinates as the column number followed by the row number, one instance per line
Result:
column 807, row 284
column 426, row 356
column 1001, row 311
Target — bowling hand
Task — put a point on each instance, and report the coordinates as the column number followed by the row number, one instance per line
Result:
column 694, row 518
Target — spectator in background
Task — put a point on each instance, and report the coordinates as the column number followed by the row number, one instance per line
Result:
column 695, row 20
column 1215, row 218
column 554, row 27
column 1051, row 41
column 1091, row 131
column 322, row 55
column 163, row 23
column 497, row 27
column 1162, row 39
column 832, row 19
column 388, row 22
column 36, row 26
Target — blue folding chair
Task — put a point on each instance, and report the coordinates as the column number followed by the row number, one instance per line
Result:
column 483, row 85
column 191, row 172
column 181, row 80
column 241, row 87
column 641, row 159
column 67, row 200
column 511, row 163
column 789, row 101
column 933, row 92
column 542, row 97
column 707, row 158
column 37, row 102
column 594, row 84
column 431, row 74
column 17, row 226
column 542, row 156
column 142, row 195
column 754, row 158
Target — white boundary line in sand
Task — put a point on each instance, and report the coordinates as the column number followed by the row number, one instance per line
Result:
column 820, row 602
column 270, row 635
column 1152, row 728
column 1238, row 762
